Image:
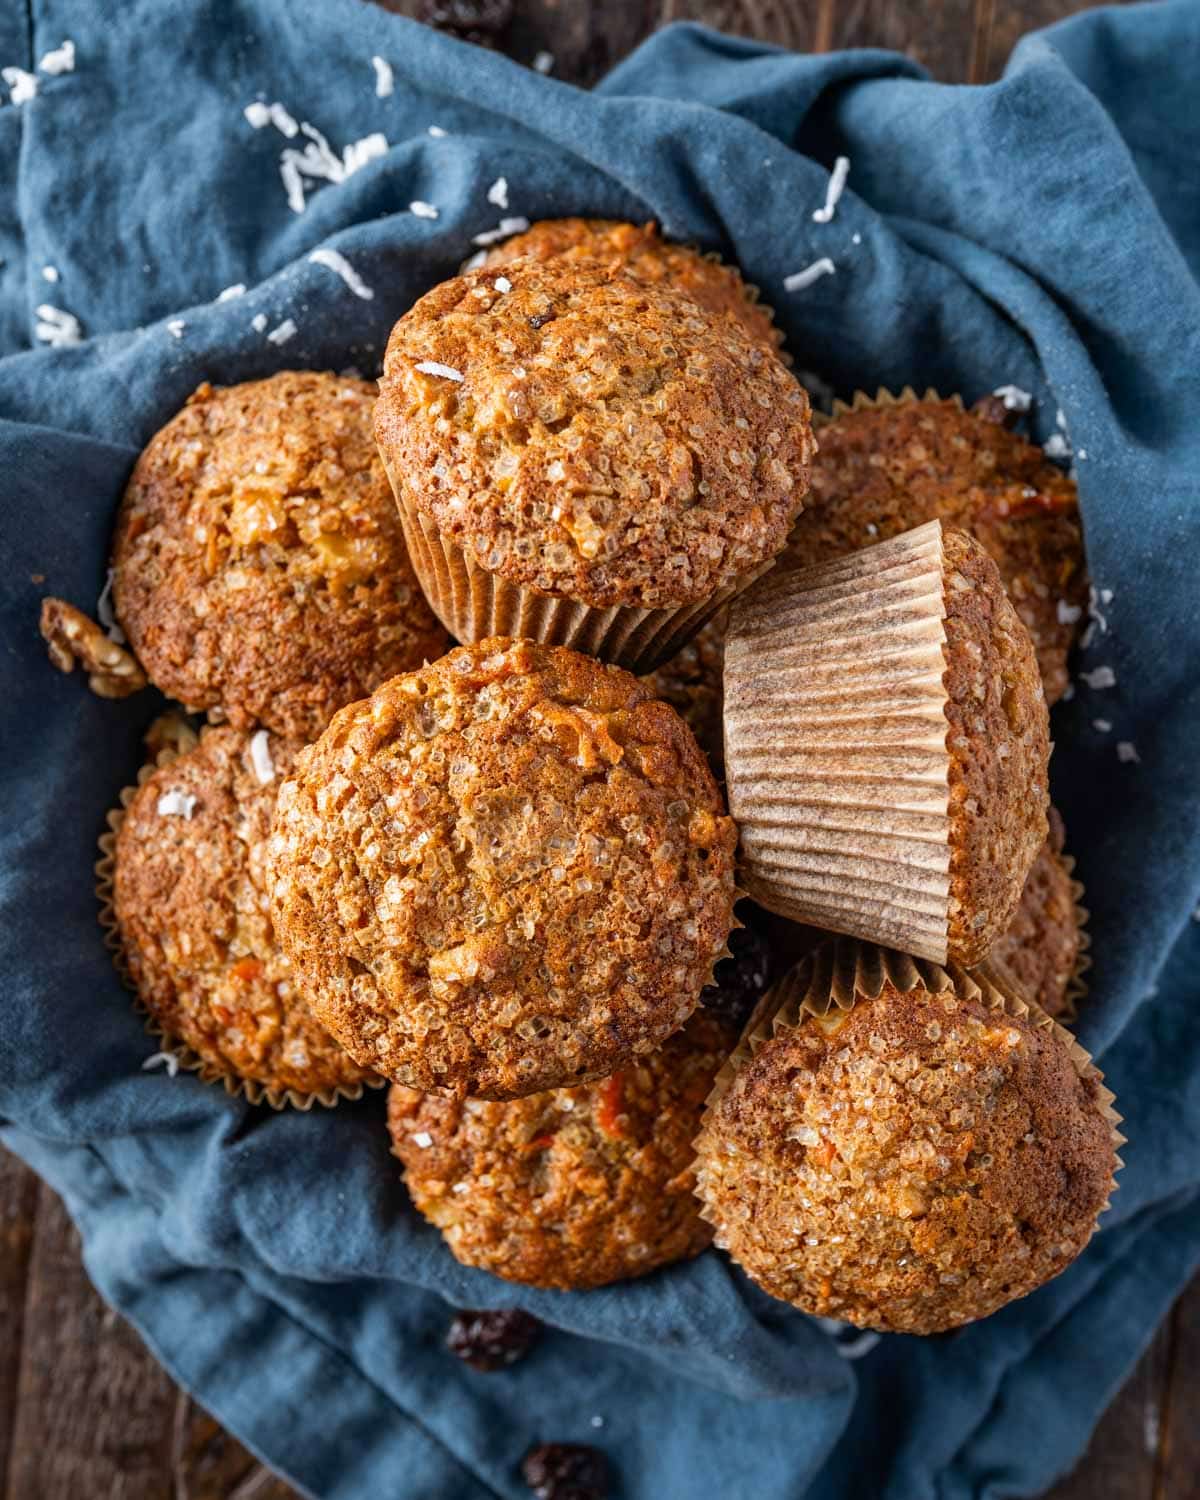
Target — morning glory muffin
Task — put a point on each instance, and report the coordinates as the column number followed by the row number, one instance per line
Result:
column 189, row 896
column 586, row 459
column 648, row 258
column 886, row 744
column 259, row 567
column 890, row 464
column 506, row 872
column 1044, row 951
column 692, row 683
column 575, row 1187
column 902, row 1146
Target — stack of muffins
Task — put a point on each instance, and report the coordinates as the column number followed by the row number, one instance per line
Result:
column 698, row 661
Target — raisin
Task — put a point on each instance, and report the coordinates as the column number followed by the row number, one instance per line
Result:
column 566, row 1471
column 492, row 1340
column 483, row 22
column 993, row 409
column 740, row 979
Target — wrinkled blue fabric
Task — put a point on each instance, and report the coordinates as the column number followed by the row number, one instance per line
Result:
column 1043, row 231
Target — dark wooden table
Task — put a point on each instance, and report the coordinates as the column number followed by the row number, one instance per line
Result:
column 85, row 1412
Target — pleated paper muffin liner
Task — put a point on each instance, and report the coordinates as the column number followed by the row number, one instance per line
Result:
column 836, row 750
column 841, row 971
column 182, row 738
column 1077, row 985
column 475, row 604
column 882, row 397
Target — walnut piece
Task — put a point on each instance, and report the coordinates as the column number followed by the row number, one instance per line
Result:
column 71, row 637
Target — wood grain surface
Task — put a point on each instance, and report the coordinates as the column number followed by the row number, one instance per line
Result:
column 85, row 1412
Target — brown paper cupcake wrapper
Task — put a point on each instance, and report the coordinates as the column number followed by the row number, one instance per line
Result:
column 1077, row 985
column 474, row 604
column 882, row 397
column 835, row 743
column 842, row 970
column 179, row 737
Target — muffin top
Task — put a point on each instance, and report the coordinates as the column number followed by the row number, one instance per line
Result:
column 650, row 259
column 259, row 567
column 884, row 469
column 692, row 683
column 1040, row 952
column 575, row 1187
column 505, row 872
column 999, row 744
column 190, row 896
column 910, row 1164
column 592, row 436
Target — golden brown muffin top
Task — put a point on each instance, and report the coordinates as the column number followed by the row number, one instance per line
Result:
column 1040, row 952
column 649, row 258
column 591, row 436
column 259, row 564
column 999, row 744
column 909, row 1165
column 692, row 682
column 572, row 1188
column 884, row 469
column 190, row 894
column 506, row 872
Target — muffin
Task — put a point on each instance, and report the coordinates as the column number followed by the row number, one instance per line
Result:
column 507, row 872
column 902, row 1146
column 886, row 466
column 572, row 1188
column 691, row 682
column 189, row 894
column 586, row 459
column 1044, row 952
column 259, row 567
column 886, row 745
column 650, row 259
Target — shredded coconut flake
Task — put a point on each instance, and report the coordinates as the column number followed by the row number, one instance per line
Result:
column 60, row 60
column 475, row 261
column 259, row 115
column 56, row 327
column 543, row 62
column 50, row 274
column 258, row 322
column 431, row 367
column 422, row 210
column 298, row 169
column 1104, row 726
column 837, row 186
column 166, row 1060
column 437, row 132
column 285, row 331
column 385, row 80
column 1127, row 752
column 1067, row 613
column 260, row 757
column 338, row 263
column 104, row 613
column 502, row 231
column 498, row 192
column 238, row 289
column 597, row 1421
column 801, row 279
column 856, row 238
column 1056, row 446
column 502, row 284
column 423, row 1139
column 175, row 327
column 1014, row 398
column 1100, row 677
column 176, row 804
column 22, row 86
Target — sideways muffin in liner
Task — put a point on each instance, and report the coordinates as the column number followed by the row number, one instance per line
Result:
column 475, row 604
column 822, row 992
column 841, row 756
column 169, row 738
column 968, row 468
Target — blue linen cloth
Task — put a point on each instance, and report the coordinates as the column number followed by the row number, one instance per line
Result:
column 1043, row 231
